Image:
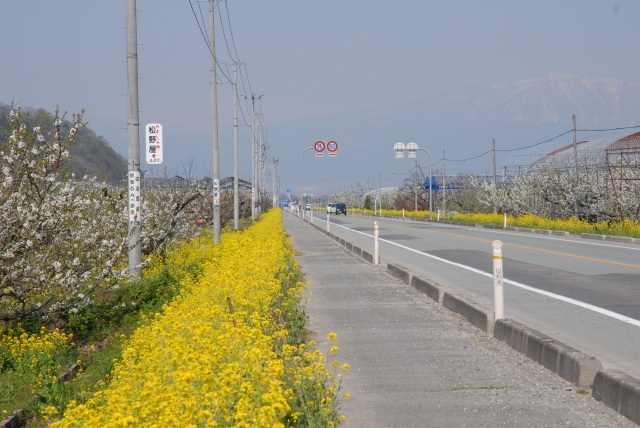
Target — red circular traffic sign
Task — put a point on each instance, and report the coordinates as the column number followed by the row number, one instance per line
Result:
column 332, row 146
column 319, row 146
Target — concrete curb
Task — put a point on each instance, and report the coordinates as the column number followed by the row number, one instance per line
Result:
column 399, row 272
column 610, row 238
column 435, row 292
column 569, row 363
column 619, row 391
column 476, row 314
column 17, row 420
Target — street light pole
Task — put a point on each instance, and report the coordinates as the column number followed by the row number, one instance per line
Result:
column 412, row 148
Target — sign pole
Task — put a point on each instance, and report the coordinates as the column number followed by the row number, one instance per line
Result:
column 376, row 247
column 498, row 289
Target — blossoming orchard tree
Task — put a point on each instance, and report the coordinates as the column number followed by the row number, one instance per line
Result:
column 562, row 191
column 63, row 237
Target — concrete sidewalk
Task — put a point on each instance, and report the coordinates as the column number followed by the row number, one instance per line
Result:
column 415, row 364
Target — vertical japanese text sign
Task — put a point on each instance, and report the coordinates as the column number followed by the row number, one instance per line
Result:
column 154, row 143
column 134, row 198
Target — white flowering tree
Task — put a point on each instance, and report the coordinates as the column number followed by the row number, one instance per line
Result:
column 60, row 237
column 172, row 213
column 64, row 238
column 559, row 190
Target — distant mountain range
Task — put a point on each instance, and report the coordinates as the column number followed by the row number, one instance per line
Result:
column 462, row 122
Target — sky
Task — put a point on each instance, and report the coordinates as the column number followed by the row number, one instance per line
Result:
column 306, row 59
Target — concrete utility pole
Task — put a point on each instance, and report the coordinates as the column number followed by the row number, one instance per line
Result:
column 575, row 156
column 133, row 127
column 236, row 198
column 415, row 189
column 264, row 167
column 253, row 157
column 275, row 182
column 262, row 189
column 444, row 186
column 214, row 117
column 495, row 183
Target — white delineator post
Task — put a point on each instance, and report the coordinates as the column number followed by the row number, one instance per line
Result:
column 498, row 289
column 376, row 252
column 505, row 219
column 328, row 223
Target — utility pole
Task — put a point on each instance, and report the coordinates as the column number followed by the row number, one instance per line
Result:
column 495, row 184
column 444, row 186
column 214, row 117
column 133, row 127
column 236, row 198
column 275, row 182
column 253, row 157
column 258, row 160
column 575, row 156
column 262, row 168
column 254, row 174
column 265, row 162
column 415, row 189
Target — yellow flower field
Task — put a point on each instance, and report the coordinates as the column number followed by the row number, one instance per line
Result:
column 198, row 365
column 572, row 225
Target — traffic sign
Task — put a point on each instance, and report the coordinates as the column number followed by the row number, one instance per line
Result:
column 319, row 146
column 332, row 146
column 154, row 143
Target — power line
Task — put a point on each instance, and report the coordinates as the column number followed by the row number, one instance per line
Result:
column 610, row 129
column 534, row 145
column 544, row 142
column 511, row 150
column 203, row 32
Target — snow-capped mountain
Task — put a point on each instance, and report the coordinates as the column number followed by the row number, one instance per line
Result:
column 463, row 123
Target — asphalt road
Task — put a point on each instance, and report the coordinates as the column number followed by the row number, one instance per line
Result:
column 581, row 292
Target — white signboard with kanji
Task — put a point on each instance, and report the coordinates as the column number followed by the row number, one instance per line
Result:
column 154, row 143
column 134, row 198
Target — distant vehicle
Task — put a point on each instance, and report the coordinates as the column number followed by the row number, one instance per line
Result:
column 331, row 209
column 341, row 208
column 308, row 207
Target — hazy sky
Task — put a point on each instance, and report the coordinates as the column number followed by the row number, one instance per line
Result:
column 308, row 58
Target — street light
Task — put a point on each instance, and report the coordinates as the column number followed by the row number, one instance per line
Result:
column 412, row 148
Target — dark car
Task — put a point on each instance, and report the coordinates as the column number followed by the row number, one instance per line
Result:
column 341, row 209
